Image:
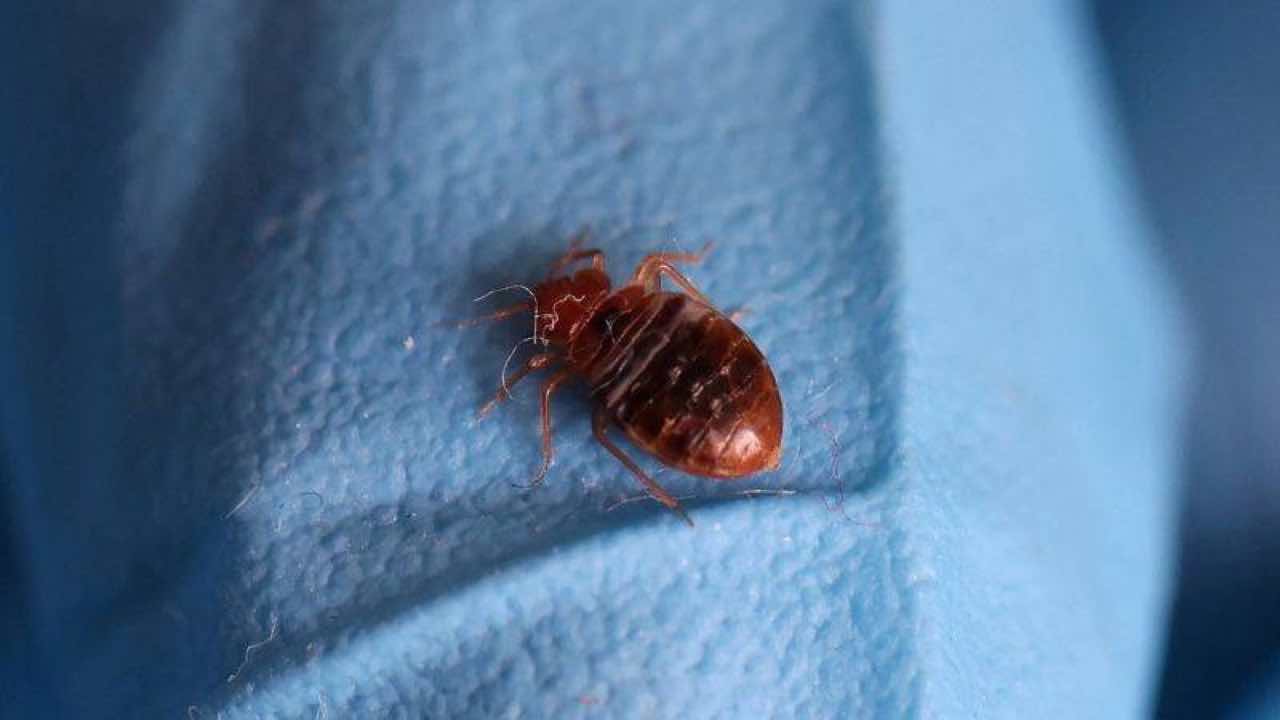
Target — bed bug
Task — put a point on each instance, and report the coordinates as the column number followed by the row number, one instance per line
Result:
column 680, row 379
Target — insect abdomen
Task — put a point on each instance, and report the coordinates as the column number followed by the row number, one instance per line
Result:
column 687, row 385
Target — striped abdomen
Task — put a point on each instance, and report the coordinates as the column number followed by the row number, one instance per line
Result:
column 683, row 382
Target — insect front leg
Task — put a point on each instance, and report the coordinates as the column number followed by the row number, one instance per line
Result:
column 600, row 426
column 597, row 260
column 502, row 314
column 548, row 451
column 575, row 253
column 537, row 362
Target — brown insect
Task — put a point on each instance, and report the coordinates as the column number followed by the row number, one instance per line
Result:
column 678, row 377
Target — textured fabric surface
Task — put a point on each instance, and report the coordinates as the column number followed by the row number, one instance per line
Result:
column 1037, row 423
column 255, row 486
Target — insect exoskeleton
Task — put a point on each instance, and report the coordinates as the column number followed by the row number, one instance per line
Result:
column 677, row 376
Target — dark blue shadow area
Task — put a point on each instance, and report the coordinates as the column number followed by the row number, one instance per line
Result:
column 65, row 559
column 238, row 451
column 1196, row 84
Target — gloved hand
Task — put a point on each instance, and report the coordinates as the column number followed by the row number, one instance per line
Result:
column 288, row 510
column 1263, row 699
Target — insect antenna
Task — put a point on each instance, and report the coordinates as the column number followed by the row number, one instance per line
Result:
column 502, row 313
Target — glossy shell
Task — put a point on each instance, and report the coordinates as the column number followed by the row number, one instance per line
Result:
column 683, row 382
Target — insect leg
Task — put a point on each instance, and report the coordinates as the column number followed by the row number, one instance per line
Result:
column 600, row 425
column 579, row 238
column 596, row 255
column 650, row 271
column 659, row 268
column 537, row 362
column 502, row 314
column 680, row 257
column 575, row 253
column 548, row 388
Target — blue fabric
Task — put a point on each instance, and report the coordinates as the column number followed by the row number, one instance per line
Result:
column 241, row 463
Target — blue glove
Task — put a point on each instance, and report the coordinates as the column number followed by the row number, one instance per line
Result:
column 277, row 502
column 1202, row 120
column 1262, row 701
